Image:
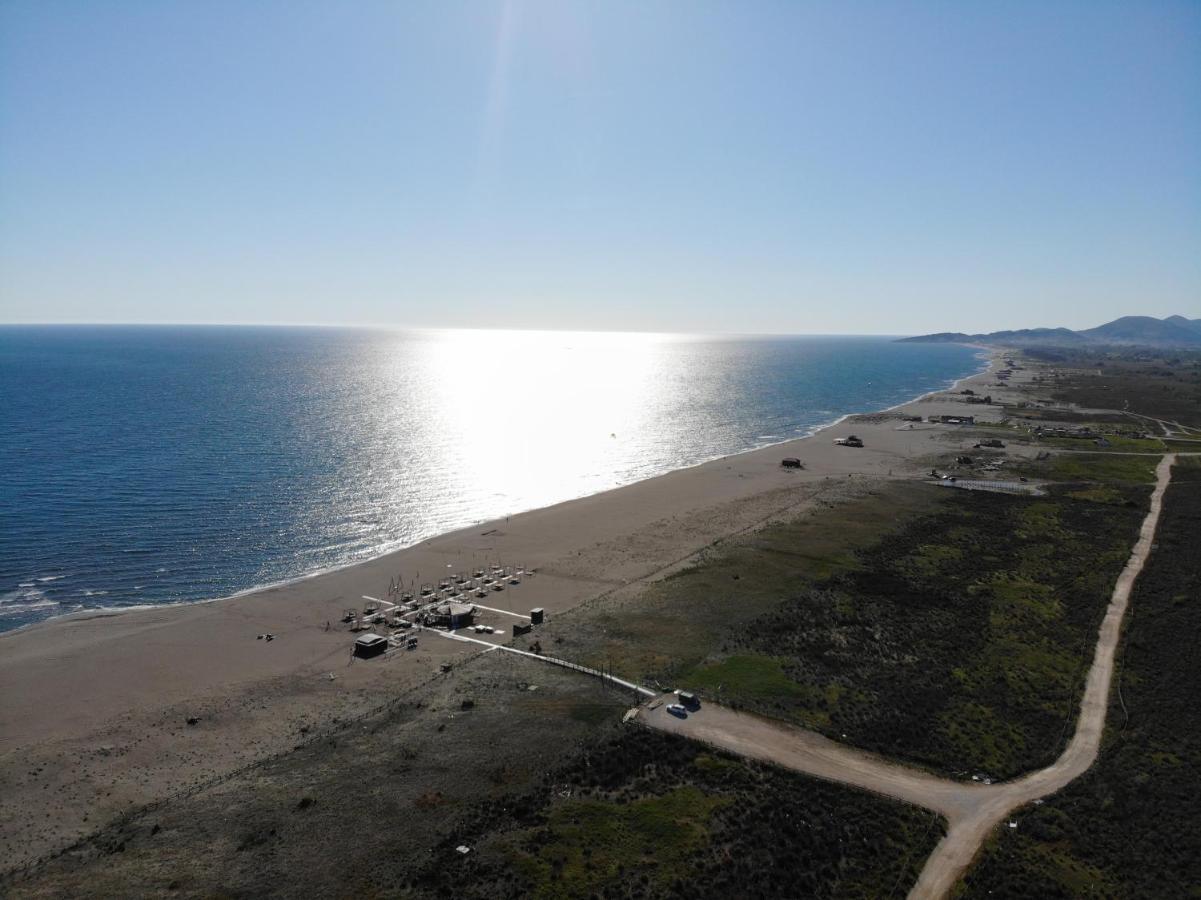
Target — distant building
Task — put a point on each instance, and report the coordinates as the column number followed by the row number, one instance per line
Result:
column 954, row 420
column 1086, row 433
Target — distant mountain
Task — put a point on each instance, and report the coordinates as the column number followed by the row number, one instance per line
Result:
column 1039, row 336
column 1191, row 324
column 1143, row 331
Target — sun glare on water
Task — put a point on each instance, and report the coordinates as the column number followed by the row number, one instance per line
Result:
column 528, row 413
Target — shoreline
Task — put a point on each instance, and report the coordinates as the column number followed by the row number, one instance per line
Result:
column 986, row 357
column 104, row 711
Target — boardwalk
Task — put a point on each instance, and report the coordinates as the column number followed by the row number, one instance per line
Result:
column 1004, row 487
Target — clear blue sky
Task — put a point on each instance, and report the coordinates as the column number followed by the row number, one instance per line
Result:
column 841, row 167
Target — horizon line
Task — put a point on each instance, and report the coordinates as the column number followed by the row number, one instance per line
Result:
column 398, row 327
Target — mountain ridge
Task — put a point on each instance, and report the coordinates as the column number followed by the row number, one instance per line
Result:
column 1172, row 331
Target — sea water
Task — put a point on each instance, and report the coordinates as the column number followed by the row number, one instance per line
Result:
column 155, row 464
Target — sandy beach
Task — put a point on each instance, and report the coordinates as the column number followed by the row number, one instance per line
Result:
column 95, row 708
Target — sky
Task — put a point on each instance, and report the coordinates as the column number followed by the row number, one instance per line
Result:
column 745, row 167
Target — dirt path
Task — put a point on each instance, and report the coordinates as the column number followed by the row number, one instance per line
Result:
column 972, row 810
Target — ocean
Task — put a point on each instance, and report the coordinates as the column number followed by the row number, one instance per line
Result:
column 155, row 464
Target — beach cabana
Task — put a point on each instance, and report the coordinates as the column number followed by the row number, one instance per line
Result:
column 370, row 645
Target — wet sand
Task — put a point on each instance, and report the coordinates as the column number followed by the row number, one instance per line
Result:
column 94, row 707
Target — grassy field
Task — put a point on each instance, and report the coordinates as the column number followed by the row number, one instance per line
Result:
column 1089, row 468
column 950, row 629
column 648, row 815
column 1114, row 443
column 1162, row 384
column 1043, row 414
column 1129, row 827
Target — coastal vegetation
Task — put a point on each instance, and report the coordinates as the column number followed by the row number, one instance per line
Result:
column 1061, row 416
column 1113, row 443
column 948, row 629
column 646, row 815
column 1128, row 827
column 1162, row 384
column 675, row 625
column 1089, row 468
column 1184, row 445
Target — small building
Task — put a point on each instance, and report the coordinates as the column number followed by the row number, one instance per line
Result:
column 451, row 615
column 370, row 645
column 536, row 615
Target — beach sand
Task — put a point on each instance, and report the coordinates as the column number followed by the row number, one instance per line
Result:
column 94, row 707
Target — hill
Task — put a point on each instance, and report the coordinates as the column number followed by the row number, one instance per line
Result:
column 1143, row 331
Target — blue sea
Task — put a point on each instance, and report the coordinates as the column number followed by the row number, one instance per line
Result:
column 154, row 464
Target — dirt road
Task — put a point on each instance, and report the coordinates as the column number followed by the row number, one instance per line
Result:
column 971, row 809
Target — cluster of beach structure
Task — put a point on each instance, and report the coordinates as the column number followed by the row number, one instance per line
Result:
column 445, row 605
column 970, row 396
column 1087, row 433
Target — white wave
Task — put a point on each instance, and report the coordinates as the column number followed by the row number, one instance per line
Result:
column 21, row 601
